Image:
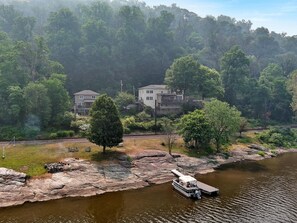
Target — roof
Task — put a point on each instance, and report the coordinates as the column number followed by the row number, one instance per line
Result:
column 86, row 92
column 187, row 179
column 154, row 86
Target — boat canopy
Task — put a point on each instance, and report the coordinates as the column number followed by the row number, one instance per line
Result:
column 187, row 179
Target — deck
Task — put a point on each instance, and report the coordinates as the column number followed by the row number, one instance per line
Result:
column 207, row 189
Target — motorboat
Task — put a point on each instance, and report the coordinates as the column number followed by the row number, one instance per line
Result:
column 187, row 186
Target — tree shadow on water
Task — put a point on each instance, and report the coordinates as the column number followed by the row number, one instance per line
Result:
column 248, row 166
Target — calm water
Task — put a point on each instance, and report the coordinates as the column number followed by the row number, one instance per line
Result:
column 264, row 191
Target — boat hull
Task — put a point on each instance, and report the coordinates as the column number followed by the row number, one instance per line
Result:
column 193, row 192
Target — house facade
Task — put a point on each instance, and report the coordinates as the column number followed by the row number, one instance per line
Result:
column 148, row 94
column 83, row 101
column 160, row 98
column 169, row 103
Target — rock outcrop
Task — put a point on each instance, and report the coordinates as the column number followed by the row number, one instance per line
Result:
column 84, row 178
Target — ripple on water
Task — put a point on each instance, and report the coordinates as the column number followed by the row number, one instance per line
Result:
column 262, row 193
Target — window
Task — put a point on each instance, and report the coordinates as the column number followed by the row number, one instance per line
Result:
column 93, row 97
column 161, row 92
column 151, row 91
column 147, row 98
column 81, row 96
column 147, row 91
column 151, row 98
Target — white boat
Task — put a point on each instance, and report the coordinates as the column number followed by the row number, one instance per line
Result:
column 187, row 185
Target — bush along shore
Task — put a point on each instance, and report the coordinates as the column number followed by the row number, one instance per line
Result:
column 78, row 177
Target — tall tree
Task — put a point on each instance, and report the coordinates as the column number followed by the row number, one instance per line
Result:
column 106, row 129
column 37, row 103
column 181, row 75
column 278, row 102
column 292, row 87
column 64, row 40
column 235, row 70
column 223, row 119
column 210, row 83
column 59, row 98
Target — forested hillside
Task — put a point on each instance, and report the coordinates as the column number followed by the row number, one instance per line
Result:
column 96, row 44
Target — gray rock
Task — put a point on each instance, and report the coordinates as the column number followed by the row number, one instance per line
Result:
column 258, row 147
column 84, row 178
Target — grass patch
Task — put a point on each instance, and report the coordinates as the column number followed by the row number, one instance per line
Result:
column 261, row 153
column 30, row 159
column 246, row 140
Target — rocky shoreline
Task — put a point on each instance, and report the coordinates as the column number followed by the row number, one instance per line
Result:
column 84, row 178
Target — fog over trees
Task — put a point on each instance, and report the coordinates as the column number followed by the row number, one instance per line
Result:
column 98, row 44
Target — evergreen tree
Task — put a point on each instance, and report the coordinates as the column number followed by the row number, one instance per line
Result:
column 106, row 129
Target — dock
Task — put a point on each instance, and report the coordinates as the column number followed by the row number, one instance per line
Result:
column 206, row 189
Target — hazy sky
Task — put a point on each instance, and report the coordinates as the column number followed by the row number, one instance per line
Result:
column 276, row 15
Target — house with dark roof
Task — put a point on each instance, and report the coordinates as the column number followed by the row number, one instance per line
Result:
column 83, row 101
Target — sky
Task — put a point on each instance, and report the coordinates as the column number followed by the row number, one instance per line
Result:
column 279, row 16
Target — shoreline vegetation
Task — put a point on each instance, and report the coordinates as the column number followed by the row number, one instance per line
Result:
column 92, row 173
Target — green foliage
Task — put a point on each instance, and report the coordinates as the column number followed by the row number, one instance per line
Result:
column 37, row 103
column 195, row 129
column 59, row 99
column 223, row 119
column 143, row 116
column 65, row 133
column 106, row 128
column 261, row 153
column 131, row 124
column 279, row 137
column 292, row 88
column 107, row 42
column 8, row 132
column 181, row 75
column 122, row 100
column 235, row 68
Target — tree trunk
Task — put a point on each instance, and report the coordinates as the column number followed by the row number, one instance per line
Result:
column 104, row 149
column 218, row 145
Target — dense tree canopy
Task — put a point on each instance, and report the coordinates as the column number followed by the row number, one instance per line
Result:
column 100, row 44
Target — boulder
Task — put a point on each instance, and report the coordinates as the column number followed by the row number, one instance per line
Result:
column 258, row 147
column 12, row 178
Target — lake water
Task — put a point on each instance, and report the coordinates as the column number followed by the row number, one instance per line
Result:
column 264, row 191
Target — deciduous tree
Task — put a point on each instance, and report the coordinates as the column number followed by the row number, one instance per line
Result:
column 195, row 129
column 223, row 119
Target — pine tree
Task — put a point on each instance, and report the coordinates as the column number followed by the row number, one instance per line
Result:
column 106, row 129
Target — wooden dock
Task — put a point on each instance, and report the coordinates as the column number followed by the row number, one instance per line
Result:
column 207, row 189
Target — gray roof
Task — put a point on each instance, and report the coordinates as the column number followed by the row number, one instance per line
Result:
column 86, row 92
column 154, row 86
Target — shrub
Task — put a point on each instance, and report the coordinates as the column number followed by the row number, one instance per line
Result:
column 53, row 135
column 63, row 134
column 8, row 132
column 261, row 153
column 284, row 137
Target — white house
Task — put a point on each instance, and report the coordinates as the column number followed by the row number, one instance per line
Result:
column 148, row 94
column 83, row 101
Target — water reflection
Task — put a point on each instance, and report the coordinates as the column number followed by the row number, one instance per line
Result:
column 262, row 191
